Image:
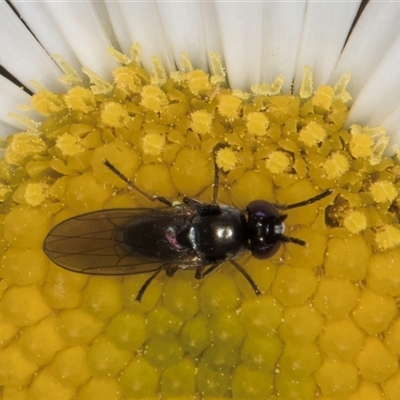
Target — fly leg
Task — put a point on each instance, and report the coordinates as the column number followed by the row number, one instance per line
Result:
column 247, row 276
column 170, row 271
column 202, row 272
column 133, row 186
column 203, row 209
column 190, row 201
column 147, row 283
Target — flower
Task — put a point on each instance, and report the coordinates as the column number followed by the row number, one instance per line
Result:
column 327, row 308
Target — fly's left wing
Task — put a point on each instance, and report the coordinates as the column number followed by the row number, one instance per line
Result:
column 90, row 244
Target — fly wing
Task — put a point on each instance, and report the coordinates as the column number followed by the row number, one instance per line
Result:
column 91, row 244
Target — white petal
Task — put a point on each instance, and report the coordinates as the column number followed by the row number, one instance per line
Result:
column 392, row 124
column 325, row 30
column 22, row 55
column 184, row 31
column 372, row 36
column 118, row 23
column 240, row 25
column 144, row 25
column 10, row 97
column 380, row 95
column 40, row 22
column 105, row 21
column 211, row 28
column 81, row 27
column 375, row 44
column 282, row 27
column 6, row 129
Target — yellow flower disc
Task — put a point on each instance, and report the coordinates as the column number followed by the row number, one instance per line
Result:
column 326, row 324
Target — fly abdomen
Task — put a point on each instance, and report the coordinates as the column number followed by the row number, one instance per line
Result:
column 153, row 240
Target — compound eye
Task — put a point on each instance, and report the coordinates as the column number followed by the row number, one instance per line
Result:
column 262, row 209
column 265, row 251
column 262, row 223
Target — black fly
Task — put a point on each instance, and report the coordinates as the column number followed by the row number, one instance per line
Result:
column 191, row 235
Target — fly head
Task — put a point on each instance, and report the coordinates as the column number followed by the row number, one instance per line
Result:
column 266, row 229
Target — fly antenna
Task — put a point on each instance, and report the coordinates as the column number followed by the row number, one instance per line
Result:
column 305, row 202
column 288, row 239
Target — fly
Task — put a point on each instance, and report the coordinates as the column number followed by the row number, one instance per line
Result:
column 192, row 235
